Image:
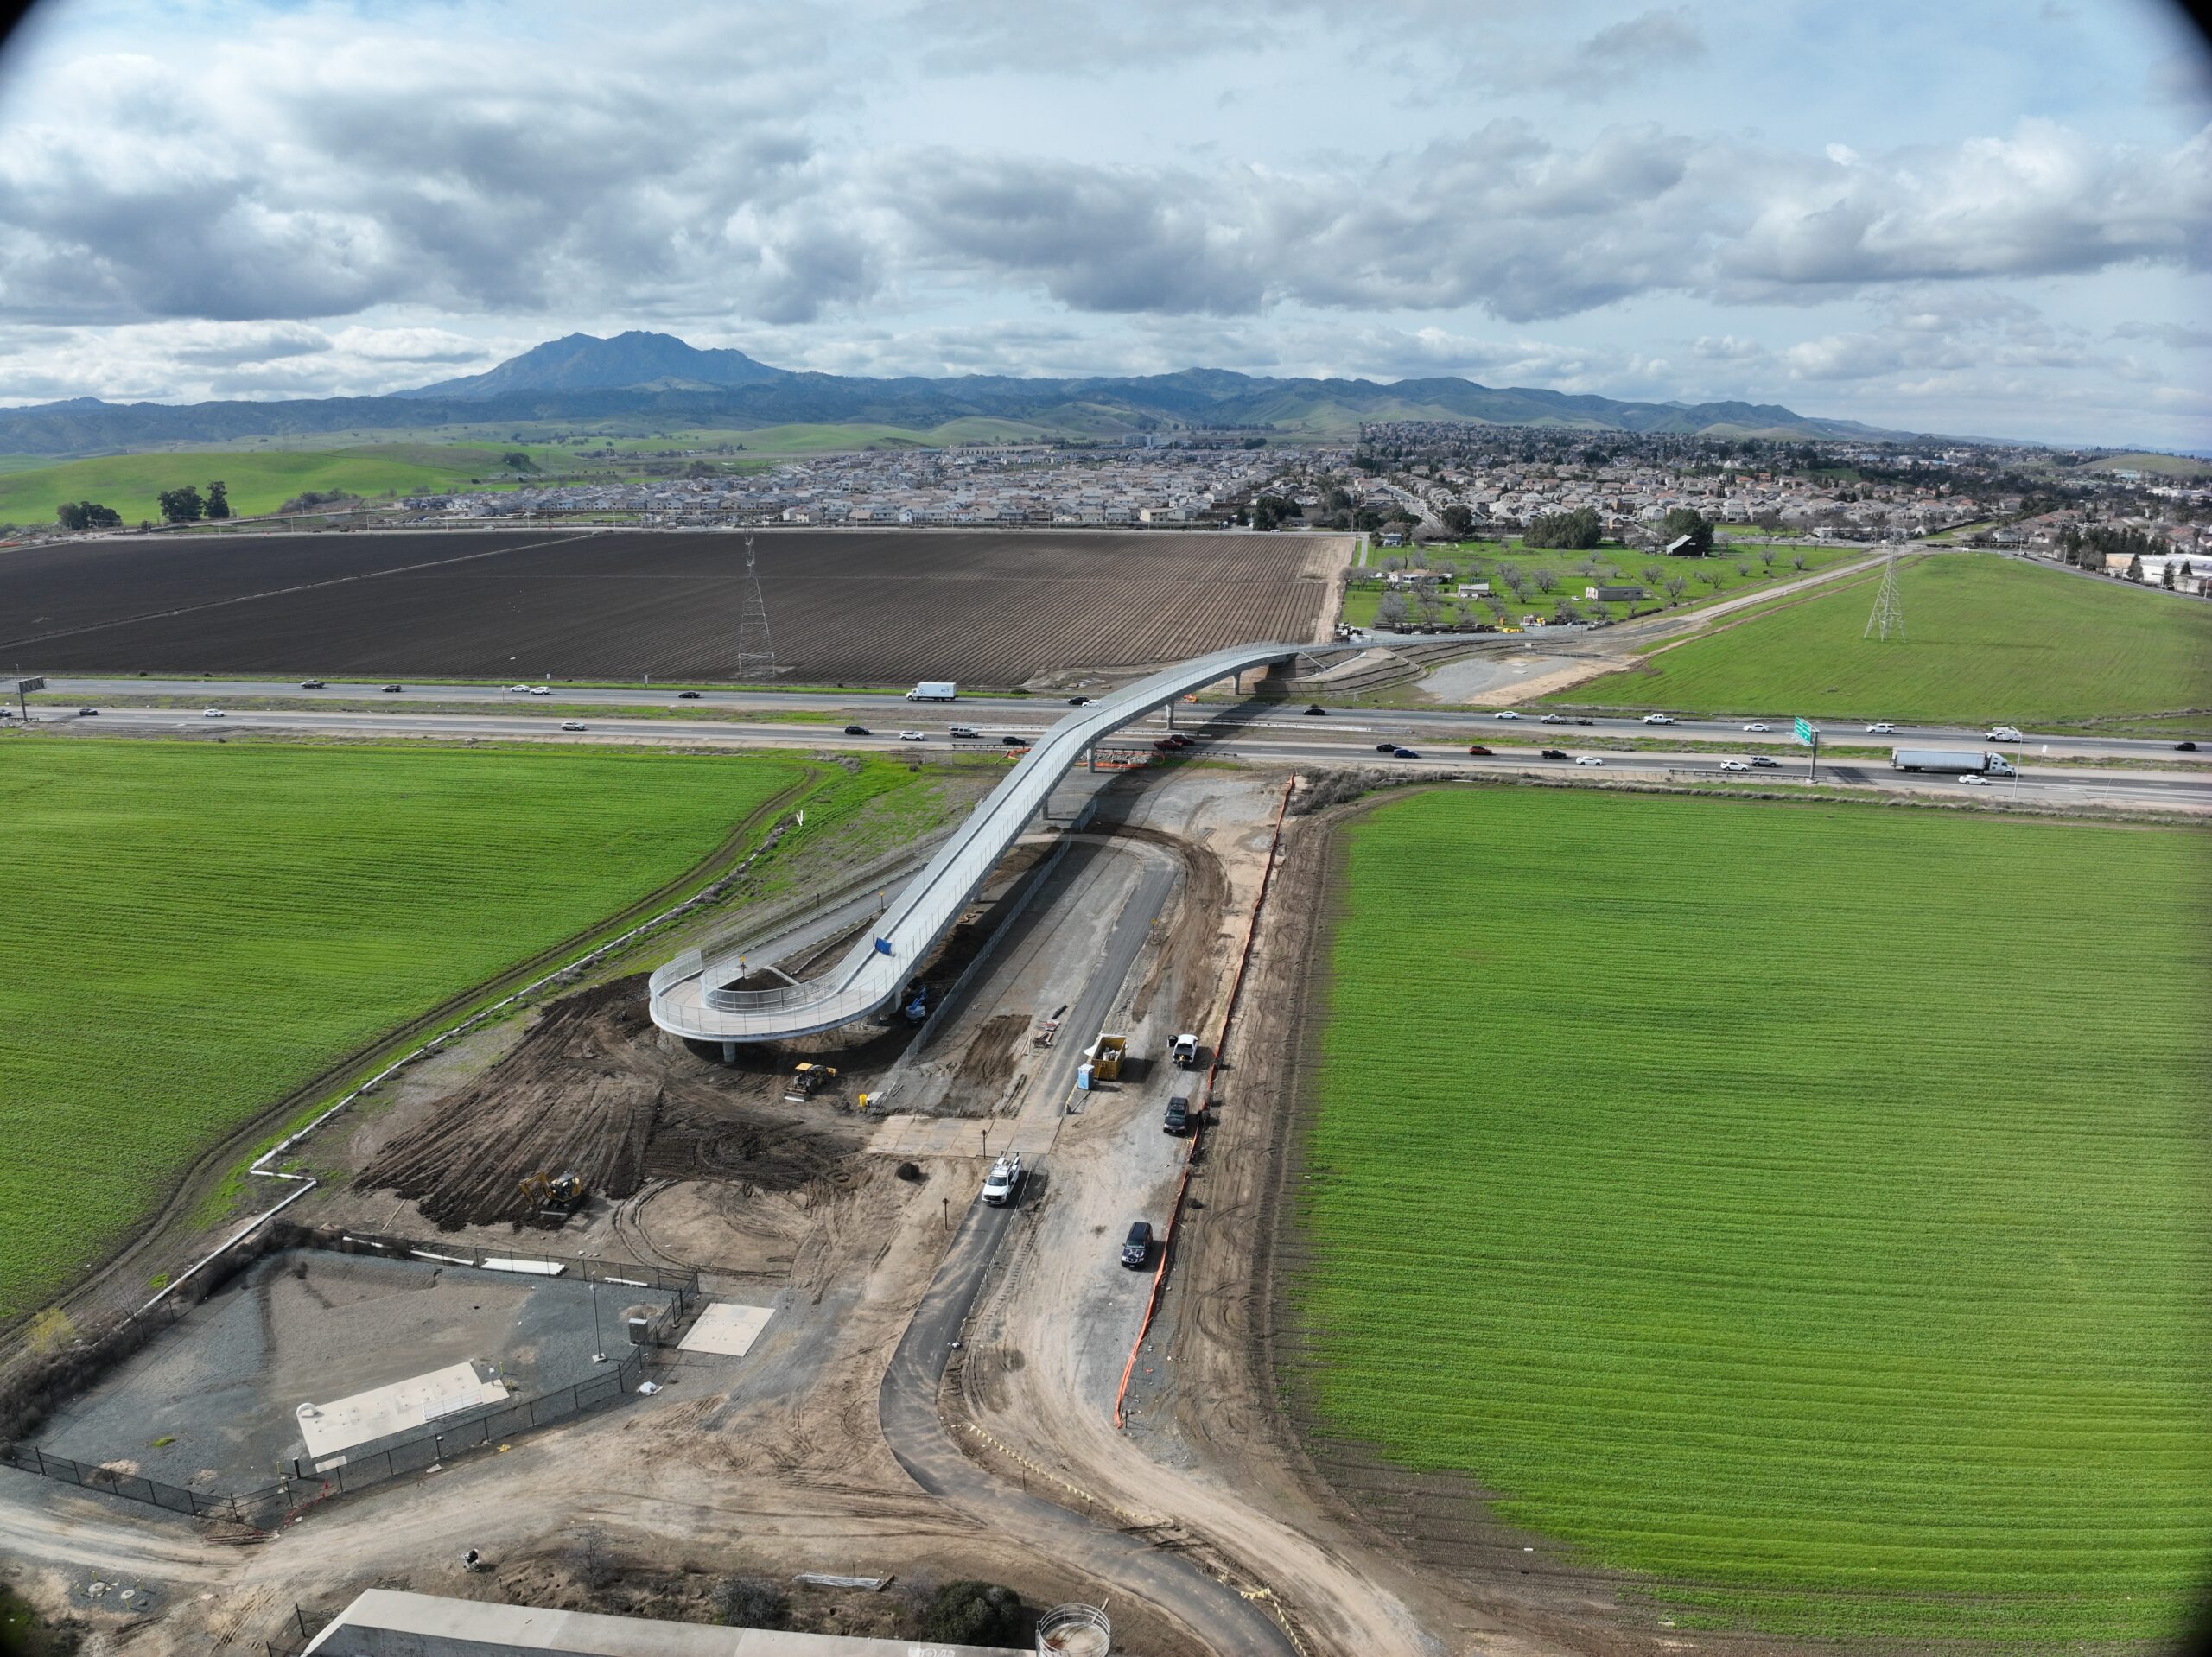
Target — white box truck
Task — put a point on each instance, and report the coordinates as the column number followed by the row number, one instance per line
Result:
column 1951, row 762
column 934, row 690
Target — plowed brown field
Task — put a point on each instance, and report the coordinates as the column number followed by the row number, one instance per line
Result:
column 856, row 606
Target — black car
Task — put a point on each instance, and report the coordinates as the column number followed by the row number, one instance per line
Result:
column 1316, row 709
column 2184, row 747
column 88, row 713
column 389, row 689
column 1179, row 1115
column 1386, row 747
column 1136, row 1247
column 1013, row 741
column 856, row 730
column 310, row 684
column 1583, row 721
column 1078, row 701
column 1555, row 753
column 1403, row 753
column 687, row 695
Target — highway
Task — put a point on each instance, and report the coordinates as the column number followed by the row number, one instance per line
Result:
column 1259, row 733
column 1032, row 714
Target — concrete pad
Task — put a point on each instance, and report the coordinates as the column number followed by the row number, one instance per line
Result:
column 334, row 1428
column 727, row 1329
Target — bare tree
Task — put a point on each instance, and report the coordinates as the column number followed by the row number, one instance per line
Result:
column 1743, row 569
column 1766, row 556
column 1651, row 574
column 1675, row 586
column 1390, row 611
column 591, row 1561
column 1546, row 579
column 1798, row 561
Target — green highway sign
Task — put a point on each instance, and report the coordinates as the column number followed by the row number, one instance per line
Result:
column 1806, row 733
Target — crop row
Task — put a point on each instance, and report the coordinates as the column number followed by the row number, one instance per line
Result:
column 199, row 928
column 1770, row 1199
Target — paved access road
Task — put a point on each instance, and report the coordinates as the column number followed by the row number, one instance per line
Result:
column 1032, row 714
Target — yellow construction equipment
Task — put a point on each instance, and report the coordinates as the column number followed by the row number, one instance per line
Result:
column 808, row 1080
column 554, row 1194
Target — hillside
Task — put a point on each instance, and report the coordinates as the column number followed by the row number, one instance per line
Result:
column 659, row 379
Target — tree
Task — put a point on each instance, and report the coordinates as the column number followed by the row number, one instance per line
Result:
column 1798, row 561
column 1687, row 521
column 219, row 500
column 1269, row 510
column 2135, row 567
column 1675, row 586
column 1651, row 574
column 1459, row 520
column 87, row 515
column 1743, row 569
column 516, row 459
column 1766, row 556
column 974, row 1613
column 1545, row 580
column 751, row 1603
column 1390, row 610
column 2166, row 578
column 1564, row 613
column 181, row 505
column 1576, row 532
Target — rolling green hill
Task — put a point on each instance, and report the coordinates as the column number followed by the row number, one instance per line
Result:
column 257, row 482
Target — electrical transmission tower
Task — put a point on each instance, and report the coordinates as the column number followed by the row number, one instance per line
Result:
column 1888, row 616
column 756, row 655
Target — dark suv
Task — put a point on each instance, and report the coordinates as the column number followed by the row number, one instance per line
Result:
column 1136, row 1247
column 1179, row 1115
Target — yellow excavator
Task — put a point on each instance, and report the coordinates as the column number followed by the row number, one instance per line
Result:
column 554, row 1195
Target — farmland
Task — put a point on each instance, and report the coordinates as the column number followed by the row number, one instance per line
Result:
column 1704, row 580
column 1758, row 1211
column 258, row 480
column 856, row 607
column 1986, row 639
column 200, row 928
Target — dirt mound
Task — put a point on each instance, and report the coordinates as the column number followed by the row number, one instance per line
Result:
column 595, row 1091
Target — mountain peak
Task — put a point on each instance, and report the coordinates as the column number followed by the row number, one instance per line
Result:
column 584, row 362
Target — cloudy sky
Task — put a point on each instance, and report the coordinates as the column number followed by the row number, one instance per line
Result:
column 1983, row 216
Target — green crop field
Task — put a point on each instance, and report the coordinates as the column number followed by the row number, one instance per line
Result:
column 195, row 929
column 258, row 481
column 1802, row 1205
column 1986, row 639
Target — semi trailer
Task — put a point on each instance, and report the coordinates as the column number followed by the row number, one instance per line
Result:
column 1951, row 762
column 934, row 690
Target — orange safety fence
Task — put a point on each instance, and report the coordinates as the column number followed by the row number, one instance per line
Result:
column 1205, row 1103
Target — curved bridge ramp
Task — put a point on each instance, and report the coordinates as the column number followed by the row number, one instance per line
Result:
column 692, row 995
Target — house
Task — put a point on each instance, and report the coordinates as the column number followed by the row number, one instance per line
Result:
column 1471, row 590
column 1615, row 595
column 1682, row 546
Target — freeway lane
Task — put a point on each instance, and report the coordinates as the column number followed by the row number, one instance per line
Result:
column 1034, row 712
column 1269, row 741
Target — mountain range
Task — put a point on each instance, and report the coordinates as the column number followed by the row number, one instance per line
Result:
column 659, row 379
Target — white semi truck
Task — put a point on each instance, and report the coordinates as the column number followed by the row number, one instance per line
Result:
column 934, row 690
column 1951, row 762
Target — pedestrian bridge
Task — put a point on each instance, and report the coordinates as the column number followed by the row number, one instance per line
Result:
column 693, row 995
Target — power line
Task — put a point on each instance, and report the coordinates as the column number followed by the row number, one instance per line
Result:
column 756, row 653
column 1888, row 615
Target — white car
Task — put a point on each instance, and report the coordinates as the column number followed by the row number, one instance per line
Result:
column 1735, row 764
column 1587, row 759
column 517, row 690
column 1658, row 719
column 2003, row 733
column 1972, row 781
column 213, row 713
column 1505, row 712
column 1881, row 727
column 914, row 736
column 1551, row 718
column 572, row 725
column 1004, row 1180
column 1757, row 725
column 541, row 690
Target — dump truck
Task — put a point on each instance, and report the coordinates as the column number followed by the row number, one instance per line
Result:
column 1951, row 762
column 934, row 690
column 807, row 1080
